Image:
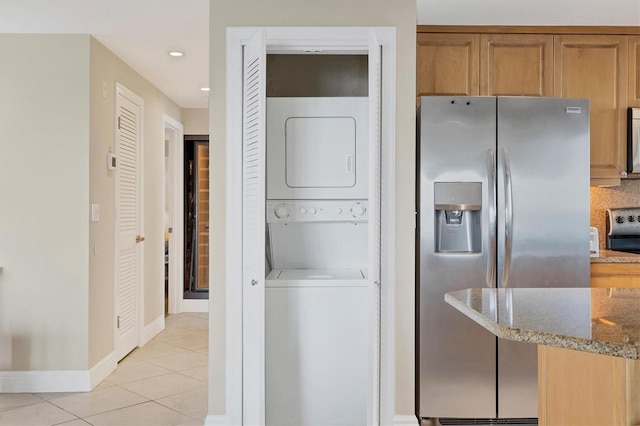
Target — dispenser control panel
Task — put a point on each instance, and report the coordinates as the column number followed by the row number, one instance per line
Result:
column 317, row 211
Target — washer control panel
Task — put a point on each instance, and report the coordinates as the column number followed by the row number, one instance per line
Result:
column 317, row 211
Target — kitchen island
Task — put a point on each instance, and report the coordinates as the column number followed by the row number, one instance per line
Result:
column 589, row 347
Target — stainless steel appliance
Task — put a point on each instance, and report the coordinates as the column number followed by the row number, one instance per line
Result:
column 623, row 229
column 503, row 199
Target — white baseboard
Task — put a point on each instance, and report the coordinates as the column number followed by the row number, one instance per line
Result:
column 102, row 369
column 195, row 305
column 216, row 420
column 45, row 381
column 222, row 420
column 41, row 381
column 150, row 331
column 400, row 419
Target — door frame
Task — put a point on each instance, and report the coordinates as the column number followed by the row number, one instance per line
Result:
column 288, row 38
column 174, row 133
column 121, row 90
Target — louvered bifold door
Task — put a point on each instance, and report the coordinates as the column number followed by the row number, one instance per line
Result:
column 127, row 224
column 253, row 231
column 375, row 64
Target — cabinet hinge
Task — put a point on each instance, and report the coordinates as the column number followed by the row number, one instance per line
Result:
column 118, row 321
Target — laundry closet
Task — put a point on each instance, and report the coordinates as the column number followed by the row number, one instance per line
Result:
column 317, row 295
column 310, row 252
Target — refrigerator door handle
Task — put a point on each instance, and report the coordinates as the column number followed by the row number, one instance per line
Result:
column 490, row 271
column 508, row 218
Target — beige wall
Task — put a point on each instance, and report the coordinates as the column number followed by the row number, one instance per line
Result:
column 44, row 200
column 529, row 12
column 56, row 289
column 106, row 68
column 397, row 13
column 195, row 121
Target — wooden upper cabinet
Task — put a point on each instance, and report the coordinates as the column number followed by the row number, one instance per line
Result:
column 447, row 64
column 634, row 71
column 516, row 64
column 595, row 67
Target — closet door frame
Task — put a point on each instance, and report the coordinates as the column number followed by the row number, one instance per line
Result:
column 292, row 39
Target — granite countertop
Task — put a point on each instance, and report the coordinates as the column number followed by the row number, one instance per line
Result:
column 598, row 320
column 611, row 256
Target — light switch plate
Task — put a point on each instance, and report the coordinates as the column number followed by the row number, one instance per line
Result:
column 95, row 212
column 112, row 161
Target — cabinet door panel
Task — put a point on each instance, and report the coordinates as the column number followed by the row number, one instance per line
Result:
column 516, row 64
column 595, row 67
column 447, row 64
column 634, row 71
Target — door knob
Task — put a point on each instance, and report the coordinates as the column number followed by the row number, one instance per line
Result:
column 139, row 239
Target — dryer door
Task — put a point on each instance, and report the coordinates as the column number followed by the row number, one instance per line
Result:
column 320, row 152
column 317, row 148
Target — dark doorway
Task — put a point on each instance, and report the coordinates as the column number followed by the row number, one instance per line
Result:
column 196, row 216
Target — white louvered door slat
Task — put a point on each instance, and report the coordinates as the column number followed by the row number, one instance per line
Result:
column 127, row 224
column 375, row 204
column 253, row 231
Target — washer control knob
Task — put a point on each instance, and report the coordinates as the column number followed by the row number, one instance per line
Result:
column 357, row 210
column 281, row 211
column 312, row 210
column 303, row 210
column 631, row 219
column 338, row 210
column 619, row 219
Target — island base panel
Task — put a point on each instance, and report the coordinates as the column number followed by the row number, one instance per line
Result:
column 581, row 388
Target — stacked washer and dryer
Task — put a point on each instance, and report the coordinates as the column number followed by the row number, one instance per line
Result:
column 317, row 298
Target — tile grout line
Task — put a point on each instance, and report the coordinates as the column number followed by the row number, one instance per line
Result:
column 60, row 408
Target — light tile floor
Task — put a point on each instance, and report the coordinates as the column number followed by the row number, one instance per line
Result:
column 162, row 383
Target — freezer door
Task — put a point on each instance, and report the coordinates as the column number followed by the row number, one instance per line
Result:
column 543, row 193
column 456, row 363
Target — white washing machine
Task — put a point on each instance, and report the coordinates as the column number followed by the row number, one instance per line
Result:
column 317, row 291
column 317, row 325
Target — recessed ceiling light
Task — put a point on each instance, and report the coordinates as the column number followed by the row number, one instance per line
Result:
column 205, row 89
column 176, row 53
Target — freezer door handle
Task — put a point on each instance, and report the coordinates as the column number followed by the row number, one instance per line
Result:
column 508, row 217
column 490, row 271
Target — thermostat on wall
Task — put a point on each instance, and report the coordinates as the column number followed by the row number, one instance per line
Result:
column 111, row 161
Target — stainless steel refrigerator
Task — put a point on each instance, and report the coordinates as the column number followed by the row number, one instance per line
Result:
column 503, row 201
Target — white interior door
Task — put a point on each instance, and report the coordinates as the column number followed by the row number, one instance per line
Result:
column 253, row 230
column 375, row 86
column 128, row 249
column 174, row 136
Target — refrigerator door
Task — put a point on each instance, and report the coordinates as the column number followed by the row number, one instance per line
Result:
column 456, row 359
column 543, row 147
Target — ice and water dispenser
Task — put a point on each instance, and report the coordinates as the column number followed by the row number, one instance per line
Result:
column 458, row 207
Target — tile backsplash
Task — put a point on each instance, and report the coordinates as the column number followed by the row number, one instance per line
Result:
column 625, row 195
